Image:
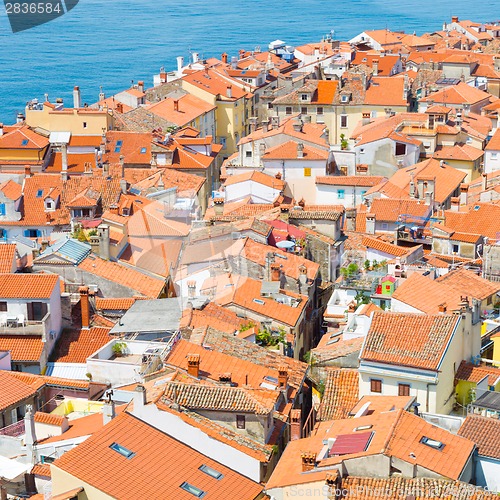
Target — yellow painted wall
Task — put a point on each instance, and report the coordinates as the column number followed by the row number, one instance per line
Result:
column 62, row 482
column 496, row 350
column 79, row 405
column 467, row 167
column 70, row 120
column 22, row 154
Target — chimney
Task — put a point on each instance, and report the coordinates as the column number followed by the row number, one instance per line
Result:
column 300, row 150
column 193, row 361
column 275, row 122
column 253, row 124
column 1, row 129
column 454, row 19
column 27, row 171
column 43, row 245
column 20, row 118
column 366, row 118
column 123, row 185
column 302, row 202
column 84, row 304
column 180, row 64
column 224, row 58
column 140, row 86
column 64, row 162
column 283, row 377
column 496, row 63
column 108, row 412
column 278, row 175
column 464, row 194
column 103, row 232
column 176, row 105
column 350, row 215
column 375, row 67
column 241, row 53
column 229, row 91
column 455, row 203
column 234, row 62
column 442, row 308
column 139, row 397
column 225, row 378
column 119, row 107
column 122, row 165
column 163, row 75
column 297, row 125
column 308, row 459
column 219, row 206
column 265, row 125
column 191, row 285
column 275, row 272
column 370, row 223
column 295, row 424
column 29, row 432
column 412, row 186
column 484, row 181
column 196, row 57
column 76, row 98
column 428, row 197
column 102, row 95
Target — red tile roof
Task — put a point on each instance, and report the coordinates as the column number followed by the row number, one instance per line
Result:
column 422, row 345
column 390, row 210
column 289, row 151
column 13, row 391
column 76, row 346
column 475, row 373
column 149, row 446
column 8, row 255
column 23, row 347
column 384, row 247
column 49, row 419
column 350, row 180
column 341, row 394
column 129, row 277
column 11, row 189
column 458, row 94
column 27, row 286
column 114, row 304
column 485, row 432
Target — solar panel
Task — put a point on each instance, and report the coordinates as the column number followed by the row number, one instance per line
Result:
column 346, row 444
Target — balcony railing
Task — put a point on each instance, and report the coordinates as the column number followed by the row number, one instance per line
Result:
column 11, row 325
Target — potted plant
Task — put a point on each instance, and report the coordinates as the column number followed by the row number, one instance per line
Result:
column 343, row 142
column 119, row 349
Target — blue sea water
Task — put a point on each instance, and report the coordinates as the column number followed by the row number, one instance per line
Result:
column 111, row 42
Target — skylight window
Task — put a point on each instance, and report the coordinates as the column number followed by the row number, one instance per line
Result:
column 258, row 301
column 122, row 450
column 119, row 143
column 211, row 472
column 193, row 490
column 25, row 142
column 118, row 147
column 433, row 443
column 143, row 150
column 39, row 193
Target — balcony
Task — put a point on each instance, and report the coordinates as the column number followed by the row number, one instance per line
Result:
column 17, row 324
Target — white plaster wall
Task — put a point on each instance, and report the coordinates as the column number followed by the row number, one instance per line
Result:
column 328, row 194
column 491, row 163
column 488, row 473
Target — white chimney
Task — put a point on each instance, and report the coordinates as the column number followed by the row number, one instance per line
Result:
column 139, row 397
column 180, row 64
column 300, row 150
column 196, row 57
column 108, row 412
column 76, row 97
column 140, row 86
column 102, row 95
column 64, row 161
column 229, row 91
column 1, row 129
column 29, row 432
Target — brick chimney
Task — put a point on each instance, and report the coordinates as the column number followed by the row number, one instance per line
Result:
column 308, row 459
column 275, row 272
column 295, row 424
column 282, row 377
column 225, row 378
column 224, row 58
column 442, row 308
column 455, row 203
column 140, row 86
column 176, row 104
column 375, row 67
column 84, row 304
column 27, row 171
column 193, row 361
column 464, row 193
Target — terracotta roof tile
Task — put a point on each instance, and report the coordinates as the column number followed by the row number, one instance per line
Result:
column 38, row 381
column 425, row 340
column 485, row 432
column 149, row 446
column 23, row 348
column 384, row 247
column 256, row 176
column 350, row 180
column 114, row 304
column 480, row 218
column 475, row 373
column 125, row 275
column 390, row 210
column 77, row 345
column 11, row 189
column 462, row 152
column 27, row 286
column 13, row 391
column 341, row 394
column 49, row 419
column 463, row 280
column 41, row 470
column 8, row 255
column 457, row 94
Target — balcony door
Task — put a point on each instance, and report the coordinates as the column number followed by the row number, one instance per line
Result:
column 36, row 311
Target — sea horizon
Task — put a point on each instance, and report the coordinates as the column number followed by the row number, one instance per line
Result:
column 112, row 43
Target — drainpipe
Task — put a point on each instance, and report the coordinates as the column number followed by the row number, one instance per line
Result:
column 427, row 396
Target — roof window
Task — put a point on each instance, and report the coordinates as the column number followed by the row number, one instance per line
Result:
column 211, row 472
column 25, row 142
column 122, row 450
column 433, row 443
column 39, row 193
column 193, row 490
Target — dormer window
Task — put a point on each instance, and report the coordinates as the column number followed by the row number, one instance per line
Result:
column 50, row 204
column 304, row 97
column 344, row 98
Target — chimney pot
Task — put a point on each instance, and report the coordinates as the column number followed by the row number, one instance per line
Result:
column 295, row 424
column 308, row 460
column 283, row 377
column 193, row 361
column 139, row 397
column 176, row 104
